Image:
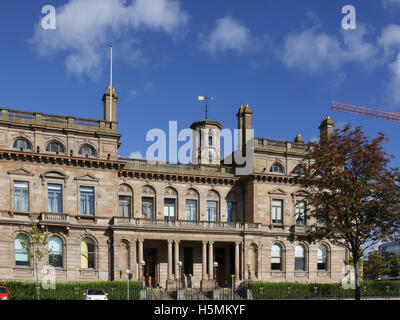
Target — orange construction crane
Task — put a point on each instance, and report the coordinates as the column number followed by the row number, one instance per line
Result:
column 365, row 111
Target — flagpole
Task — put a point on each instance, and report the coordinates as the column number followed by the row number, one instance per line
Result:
column 111, row 85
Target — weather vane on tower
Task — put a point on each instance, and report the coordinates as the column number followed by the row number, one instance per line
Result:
column 206, row 99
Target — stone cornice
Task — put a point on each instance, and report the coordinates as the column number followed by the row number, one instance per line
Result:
column 60, row 160
column 179, row 177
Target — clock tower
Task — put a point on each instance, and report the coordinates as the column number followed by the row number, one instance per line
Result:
column 206, row 142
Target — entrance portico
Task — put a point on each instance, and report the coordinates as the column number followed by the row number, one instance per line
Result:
column 197, row 257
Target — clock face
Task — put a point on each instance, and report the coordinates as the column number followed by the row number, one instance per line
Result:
column 210, row 155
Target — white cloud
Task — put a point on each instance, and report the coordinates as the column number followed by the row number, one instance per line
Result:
column 135, row 155
column 86, row 27
column 389, row 3
column 229, row 34
column 313, row 50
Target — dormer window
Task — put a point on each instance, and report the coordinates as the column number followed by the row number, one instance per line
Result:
column 276, row 168
column 87, row 151
column 55, row 147
column 22, row 145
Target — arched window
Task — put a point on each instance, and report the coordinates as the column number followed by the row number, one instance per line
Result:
column 322, row 258
column 55, row 252
column 276, row 168
column 170, row 202
column 22, row 145
column 212, row 206
column 148, row 202
column 87, row 151
column 192, row 200
column 87, row 254
column 299, row 258
column 21, row 253
column 276, row 257
column 299, row 170
column 55, row 147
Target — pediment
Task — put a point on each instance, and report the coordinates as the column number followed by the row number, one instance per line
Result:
column 54, row 174
column 21, row 172
column 87, row 177
column 300, row 193
column 278, row 191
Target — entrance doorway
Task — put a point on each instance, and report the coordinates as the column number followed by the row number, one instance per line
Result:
column 220, row 272
column 150, row 267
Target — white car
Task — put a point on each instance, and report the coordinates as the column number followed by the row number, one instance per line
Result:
column 95, row 294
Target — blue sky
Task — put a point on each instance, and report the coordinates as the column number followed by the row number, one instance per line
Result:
column 287, row 59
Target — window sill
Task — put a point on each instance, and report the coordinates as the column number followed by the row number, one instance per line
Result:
column 300, row 274
column 86, row 217
column 20, row 213
column 277, row 226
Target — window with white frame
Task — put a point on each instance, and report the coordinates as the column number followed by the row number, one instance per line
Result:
column 191, row 209
column 20, row 252
column 276, row 257
column 21, row 196
column 22, row 145
column 212, row 210
column 148, row 207
column 301, row 213
column 169, row 208
column 322, row 258
column 277, row 209
column 55, row 252
column 299, row 258
column 55, row 147
column 54, row 197
column 276, row 168
column 87, row 200
column 124, row 206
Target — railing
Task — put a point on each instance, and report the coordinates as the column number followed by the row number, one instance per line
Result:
column 176, row 167
column 54, row 217
column 185, row 224
column 64, row 121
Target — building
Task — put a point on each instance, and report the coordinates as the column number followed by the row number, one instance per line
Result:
column 197, row 222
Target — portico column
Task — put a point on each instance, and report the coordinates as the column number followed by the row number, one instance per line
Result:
column 176, row 259
column 170, row 260
column 210, row 260
column 204, row 265
column 237, row 275
column 140, row 273
column 133, row 260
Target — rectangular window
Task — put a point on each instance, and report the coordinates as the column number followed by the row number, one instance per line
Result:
column 54, row 195
column 148, row 207
column 124, row 206
column 169, row 209
column 87, row 200
column 277, row 208
column 191, row 210
column 301, row 213
column 21, row 196
column 232, row 211
column 299, row 264
column 212, row 209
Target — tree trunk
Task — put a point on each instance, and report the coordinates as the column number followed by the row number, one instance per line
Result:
column 357, row 293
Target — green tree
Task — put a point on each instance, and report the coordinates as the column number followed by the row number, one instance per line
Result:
column 37, row 250
column 374, row 267
column 354, row 194
column 392, row 263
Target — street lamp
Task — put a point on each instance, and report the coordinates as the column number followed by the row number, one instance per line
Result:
column 142, row 264
column 180, row 274
column 128, row 271
column 215, row 272
column 248, row 268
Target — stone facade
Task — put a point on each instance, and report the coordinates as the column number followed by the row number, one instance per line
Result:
column 138, row 215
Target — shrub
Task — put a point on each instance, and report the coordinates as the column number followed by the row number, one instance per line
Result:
column 116, row 290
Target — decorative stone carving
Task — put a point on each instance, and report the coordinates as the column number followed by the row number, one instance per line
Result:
column 124, row 188
column 170, row 192
column 148, row 190
column 212, row 195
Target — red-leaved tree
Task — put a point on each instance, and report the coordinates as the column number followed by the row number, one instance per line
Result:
column 354, row 194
